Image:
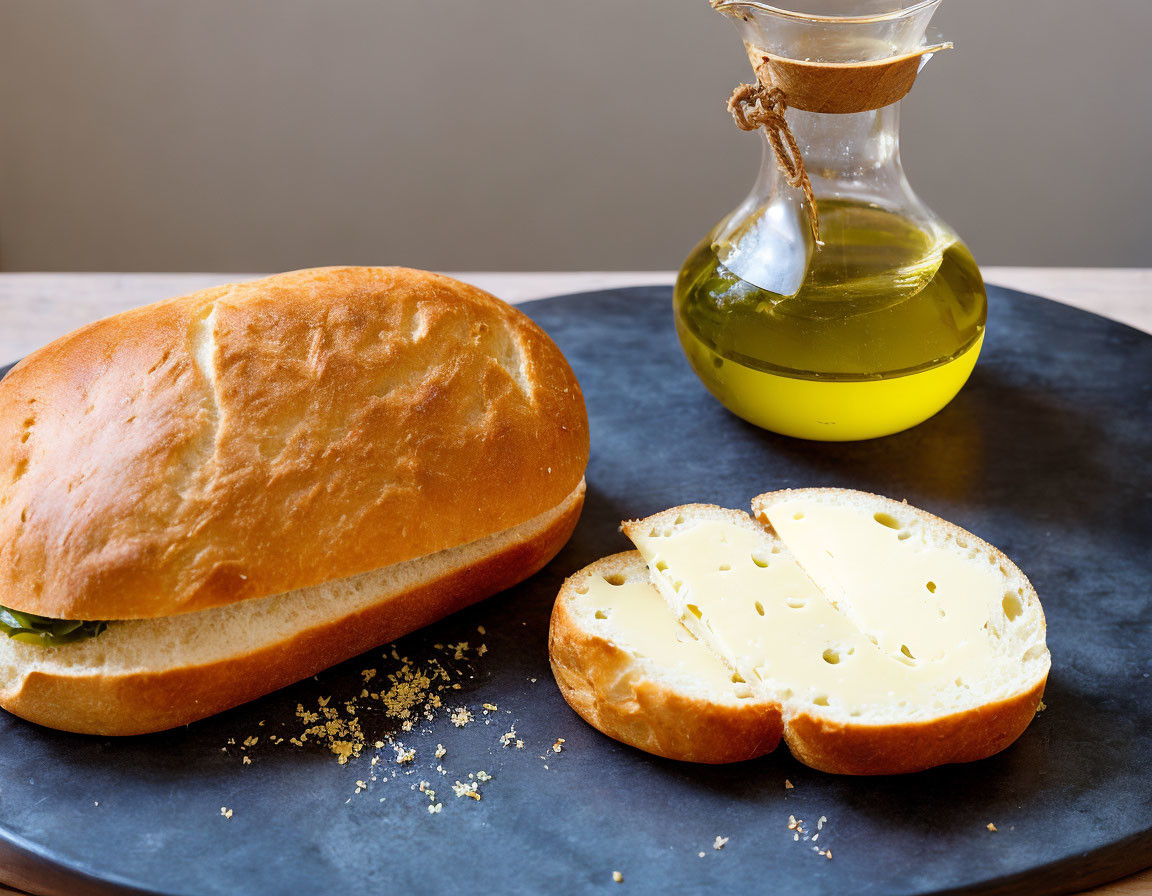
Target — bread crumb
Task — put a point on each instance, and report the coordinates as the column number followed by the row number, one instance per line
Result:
column 97, row 803
column 466, row 789
column 481, row 650
column 558, row 746
column 719, row 842
column 461, row 717
column 247, row 760
column 616, row 875
column 404, row 756
column 227, row 813
column 251, row 741
column 435, row 808
column 788, row 785
column 440, row 751
column 701, row 853
column 1043, row 706
column 991, row 827
column 481, row 630
column 490, row 707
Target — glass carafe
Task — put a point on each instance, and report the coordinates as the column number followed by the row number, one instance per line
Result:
column 876, row 327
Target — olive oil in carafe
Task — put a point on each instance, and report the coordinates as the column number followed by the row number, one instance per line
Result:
column 883, row 331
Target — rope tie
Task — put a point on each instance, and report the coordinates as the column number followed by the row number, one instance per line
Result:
column 755, row 106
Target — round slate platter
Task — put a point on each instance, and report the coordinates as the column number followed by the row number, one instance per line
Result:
column 1046, row 453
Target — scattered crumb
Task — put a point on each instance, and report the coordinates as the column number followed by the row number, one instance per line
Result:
column 616, row 875
column 466, row 789
column 97, row 803
column 404, row 756
column 701, row 853
column 490, row 707
column 991, row 827
column 788, row 785
column 481, row 630
column 227, row 813
column 481, row 650
column 719, row 842
column 483, row 776
column 435, row 808
column 558, row 746
column 461, row 716
column 440, row 751
column 1043, row 706
column 247, row 760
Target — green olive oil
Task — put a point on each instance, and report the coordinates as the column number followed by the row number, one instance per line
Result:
column 884, row 330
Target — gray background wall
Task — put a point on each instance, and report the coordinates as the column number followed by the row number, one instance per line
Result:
column 241, row 135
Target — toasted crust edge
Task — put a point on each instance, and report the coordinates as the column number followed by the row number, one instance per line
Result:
column 606, row 687
column 157, row 700
column 897, row 749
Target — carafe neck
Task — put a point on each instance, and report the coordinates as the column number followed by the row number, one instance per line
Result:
column 856, row 154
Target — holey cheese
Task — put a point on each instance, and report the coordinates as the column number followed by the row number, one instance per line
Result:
column 633, row 614
column 861, row 613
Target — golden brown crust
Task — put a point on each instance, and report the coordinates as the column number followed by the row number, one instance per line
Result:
column 335, row 421
column 899, row 748
column 143, row 702
column 607, row 688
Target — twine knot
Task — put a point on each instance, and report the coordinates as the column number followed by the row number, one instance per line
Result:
column 755, row 106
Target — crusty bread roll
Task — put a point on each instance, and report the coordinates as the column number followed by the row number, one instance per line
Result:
column 630, row 669
column 263, row 449
column 882, row 639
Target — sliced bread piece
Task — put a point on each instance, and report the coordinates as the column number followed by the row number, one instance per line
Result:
column 871, row 678
column 628, row 668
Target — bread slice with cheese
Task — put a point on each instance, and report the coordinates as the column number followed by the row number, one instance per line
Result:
column 890, row 640
column 877, row 637
column 630, row 669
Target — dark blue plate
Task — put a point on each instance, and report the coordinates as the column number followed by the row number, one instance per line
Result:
column 1047, row 453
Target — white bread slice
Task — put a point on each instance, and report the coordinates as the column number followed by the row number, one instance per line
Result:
column 629, row 668
column 852, row 700
column 147, row 675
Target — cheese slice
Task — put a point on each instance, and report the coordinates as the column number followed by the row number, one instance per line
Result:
column 634, row 615
column 881, row 642
column 920, row 602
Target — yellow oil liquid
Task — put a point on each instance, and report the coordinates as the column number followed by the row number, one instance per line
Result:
column 883, row 332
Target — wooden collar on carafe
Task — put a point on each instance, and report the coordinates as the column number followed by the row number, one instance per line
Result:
column 840, row 87
column 830, row 87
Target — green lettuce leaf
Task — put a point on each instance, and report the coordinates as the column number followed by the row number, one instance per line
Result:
column 44, row 631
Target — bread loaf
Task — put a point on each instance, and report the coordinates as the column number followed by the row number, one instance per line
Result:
column 271, row 438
